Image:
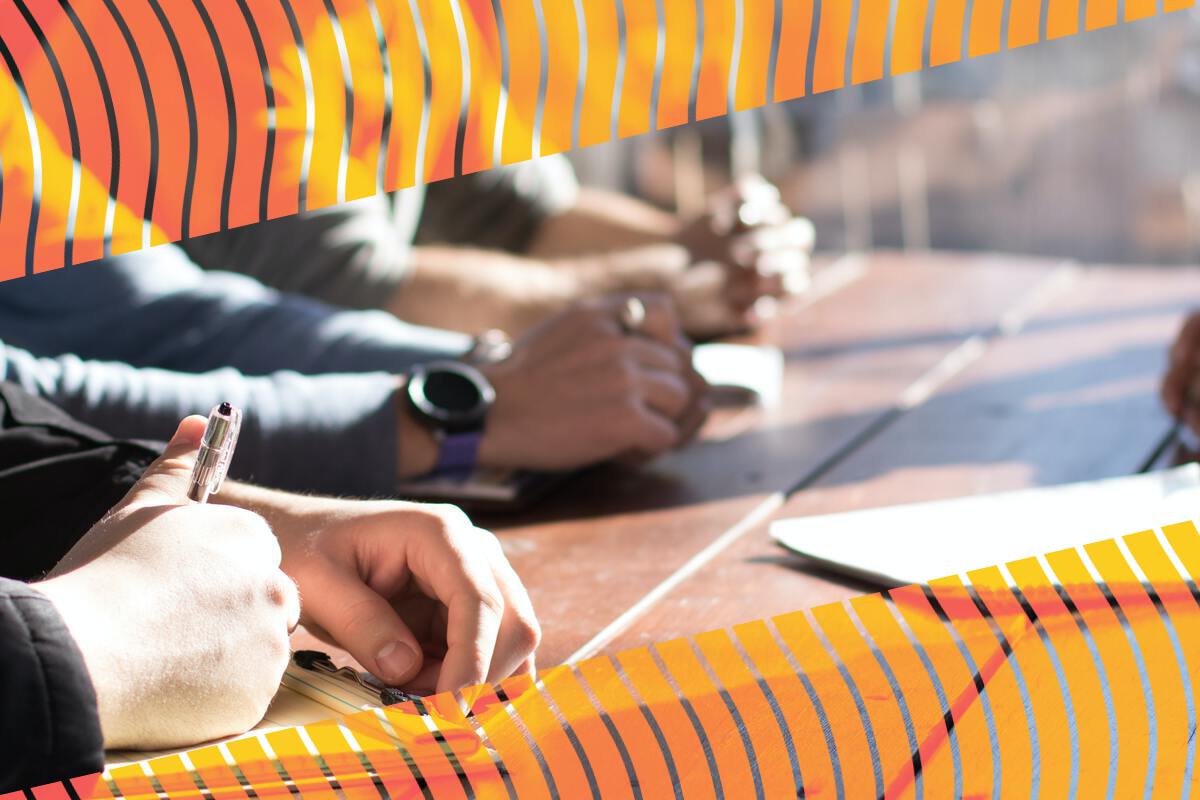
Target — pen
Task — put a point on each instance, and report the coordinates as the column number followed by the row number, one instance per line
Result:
column 216, row 451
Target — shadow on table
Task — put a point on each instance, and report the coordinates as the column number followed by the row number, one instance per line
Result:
column 1090, row 418
column 1040, row 325
column 805, row 566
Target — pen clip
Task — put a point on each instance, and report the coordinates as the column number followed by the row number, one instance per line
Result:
column 317, row 661
column 216, row 451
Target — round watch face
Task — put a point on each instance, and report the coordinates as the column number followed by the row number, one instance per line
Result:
column 450, row 395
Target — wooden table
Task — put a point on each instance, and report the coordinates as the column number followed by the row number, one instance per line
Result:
column 909, row 377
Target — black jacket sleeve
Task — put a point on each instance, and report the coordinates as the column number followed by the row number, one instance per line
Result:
column 50, row 729
column 57, row 478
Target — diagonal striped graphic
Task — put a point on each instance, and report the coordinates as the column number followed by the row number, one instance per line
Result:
column 1067, row 675
column 127, row 123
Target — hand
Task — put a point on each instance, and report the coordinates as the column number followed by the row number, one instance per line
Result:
column 416, row 593
column 180, row 610
column 578, row 390
column 1181, row 384
column 746, row 247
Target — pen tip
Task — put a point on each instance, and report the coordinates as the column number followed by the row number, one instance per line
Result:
column 225, row 409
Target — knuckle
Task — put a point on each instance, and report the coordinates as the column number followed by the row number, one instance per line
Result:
column 613, row 346
column 487, row 540
column 279, row 589
column 625, row 377
column 528, row 632
column 240, row 521
column 490, row 601
column 451, row 517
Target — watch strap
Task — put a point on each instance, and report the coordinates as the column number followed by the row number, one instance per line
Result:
column 458, row 453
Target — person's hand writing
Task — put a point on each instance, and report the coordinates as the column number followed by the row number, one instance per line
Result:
column 180, row 610
column 578, row 390
column 416, row 593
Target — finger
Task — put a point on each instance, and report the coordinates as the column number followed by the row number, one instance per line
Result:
column 754, row 188
column 652, row 354
column 772, row 284
column 651, row 432
column 519, row 632
column 665, row 392
column 282, row 592
column 473, row 623
column 364, row 623
column 166, row 480
column 797, row 233
column 1184, row 350
column 450, row 563
column 743, row 291
column 694, row 417
column 1190, row 390
column 661, row 323
column 1191, row 418
column 1172, row 391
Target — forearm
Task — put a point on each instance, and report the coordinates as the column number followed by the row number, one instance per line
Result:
column 120, row 310
column 328, row 433
column 473, row 290
column 602, row 221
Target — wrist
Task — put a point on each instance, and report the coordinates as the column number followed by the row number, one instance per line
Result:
column 76, row 607
column 417, row 446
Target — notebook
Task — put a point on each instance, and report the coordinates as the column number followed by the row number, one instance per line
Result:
column 311, row 690
column 901, row 545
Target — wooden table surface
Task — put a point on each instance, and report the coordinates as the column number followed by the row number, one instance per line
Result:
column 908, row 377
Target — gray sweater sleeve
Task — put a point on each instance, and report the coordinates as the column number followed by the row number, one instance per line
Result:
column 358, row 254
column 132, row 344
column 331, row 434
column 155, row 308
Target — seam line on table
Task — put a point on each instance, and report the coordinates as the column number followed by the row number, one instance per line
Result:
column 915, row 394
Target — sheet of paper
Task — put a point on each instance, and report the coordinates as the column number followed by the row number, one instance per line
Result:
column 303, row 697
column 742, row 372
column 899, row 545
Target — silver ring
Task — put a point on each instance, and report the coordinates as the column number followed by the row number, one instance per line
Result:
column 632, row 316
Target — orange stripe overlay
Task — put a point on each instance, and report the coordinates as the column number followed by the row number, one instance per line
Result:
column 1064, row 675
column 135, row 122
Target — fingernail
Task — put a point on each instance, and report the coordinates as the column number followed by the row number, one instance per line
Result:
column 395, row 660
column 189, row 431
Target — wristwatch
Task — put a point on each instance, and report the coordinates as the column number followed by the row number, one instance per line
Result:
column 451, row 399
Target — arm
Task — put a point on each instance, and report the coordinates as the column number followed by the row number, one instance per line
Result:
column 601, row 221
column 415, row 592
column 50, row 728
column 329, row 433
column 472, row 290
column 122, row 310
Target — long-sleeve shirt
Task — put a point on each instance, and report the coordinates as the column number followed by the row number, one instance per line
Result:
column 358, row 254
column 57, row 478
column 133, row 343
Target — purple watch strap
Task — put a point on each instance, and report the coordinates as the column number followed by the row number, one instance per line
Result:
column 458, row 453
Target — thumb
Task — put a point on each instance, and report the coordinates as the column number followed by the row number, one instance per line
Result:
column 165, row 481
column 364, row 623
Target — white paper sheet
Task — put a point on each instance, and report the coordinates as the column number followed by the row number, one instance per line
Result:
column 899, row 545
column 742, row 372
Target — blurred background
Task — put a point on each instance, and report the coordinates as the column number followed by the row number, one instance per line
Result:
column 1086, row 147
